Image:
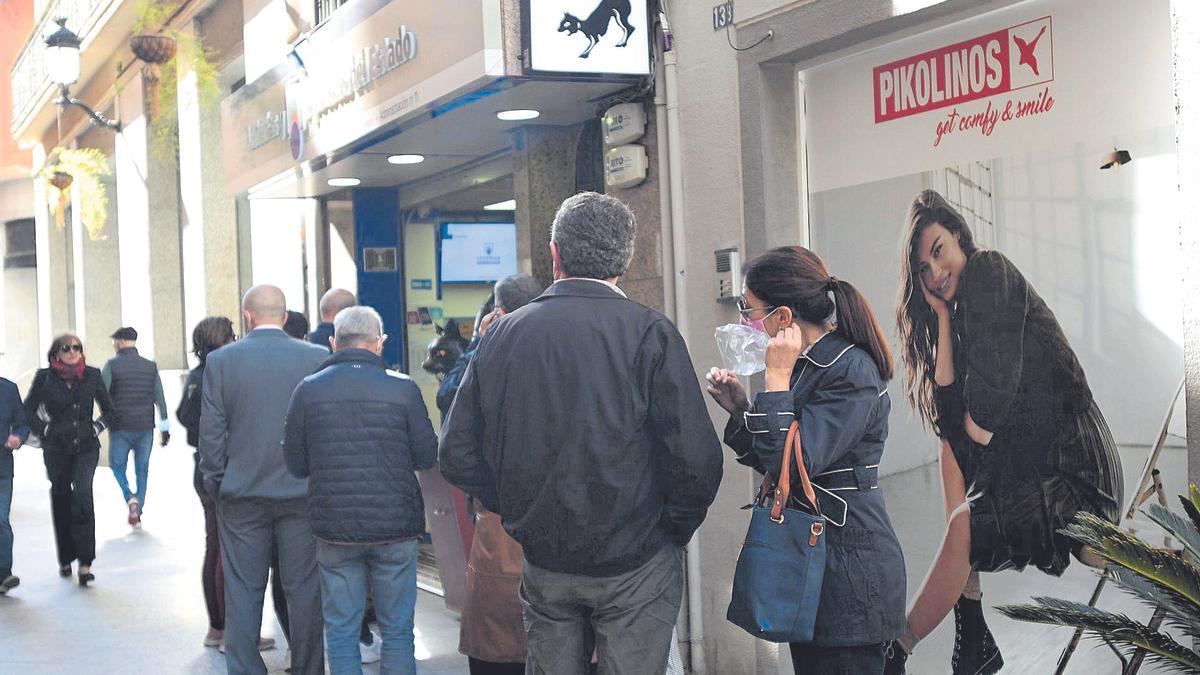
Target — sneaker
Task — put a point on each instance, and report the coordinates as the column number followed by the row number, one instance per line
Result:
column 371, row 652
column 135, row 512
column 896, row 657
column 10, row 582
column 975, row 650
column 214, row 638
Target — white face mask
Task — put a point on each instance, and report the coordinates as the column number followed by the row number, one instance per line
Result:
column 743, row 348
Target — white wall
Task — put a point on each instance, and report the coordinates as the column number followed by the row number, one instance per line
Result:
column 276, row 231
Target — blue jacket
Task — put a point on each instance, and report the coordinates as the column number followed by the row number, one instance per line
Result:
column 842, row 405
column 449, row 386
column 12, row 423
column 357, row 432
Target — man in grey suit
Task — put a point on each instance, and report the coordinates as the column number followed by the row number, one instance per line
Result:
column 247, row 388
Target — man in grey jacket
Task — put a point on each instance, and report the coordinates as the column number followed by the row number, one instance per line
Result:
column 247, row 387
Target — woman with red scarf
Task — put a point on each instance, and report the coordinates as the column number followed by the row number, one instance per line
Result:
column 60, row 408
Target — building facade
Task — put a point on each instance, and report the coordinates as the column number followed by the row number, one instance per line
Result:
column 358, row 144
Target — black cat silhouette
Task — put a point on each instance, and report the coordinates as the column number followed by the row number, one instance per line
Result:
column 596, row 24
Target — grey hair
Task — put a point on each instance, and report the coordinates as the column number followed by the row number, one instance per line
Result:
column 356, row 325
column 594, row 235
column 513, row 293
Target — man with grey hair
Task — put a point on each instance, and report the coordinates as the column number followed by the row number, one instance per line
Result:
column 509, row 294
column 357, row 432
column 246, row 390
column 333, row 301
column 581, row 422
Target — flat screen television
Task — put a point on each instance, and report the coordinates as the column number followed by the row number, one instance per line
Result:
column 478, row 252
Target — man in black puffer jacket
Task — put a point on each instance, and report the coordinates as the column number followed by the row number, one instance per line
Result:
column 358, row 432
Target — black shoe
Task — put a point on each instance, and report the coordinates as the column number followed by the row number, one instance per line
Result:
column 896, row 656
column 85, row 578
column 64, row 571
column 975, row 650
column 9, row 582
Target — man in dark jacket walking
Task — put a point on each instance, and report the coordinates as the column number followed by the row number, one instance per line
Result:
column 581, row 422
column 133, row 383
column 13, row 433
column 357, row 432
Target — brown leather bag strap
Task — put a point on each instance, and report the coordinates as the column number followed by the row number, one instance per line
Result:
column 783, row 490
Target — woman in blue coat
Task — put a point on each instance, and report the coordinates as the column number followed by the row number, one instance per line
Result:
column 827, row 366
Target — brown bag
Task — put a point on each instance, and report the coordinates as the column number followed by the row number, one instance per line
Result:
column 492, row 627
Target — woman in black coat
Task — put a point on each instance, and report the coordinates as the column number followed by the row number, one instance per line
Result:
column 60, row 409
column 990, row 369
column 827, row 369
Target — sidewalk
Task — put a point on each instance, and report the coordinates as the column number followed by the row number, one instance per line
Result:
column 145, row 611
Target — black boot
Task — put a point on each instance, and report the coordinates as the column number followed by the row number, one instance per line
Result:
column 975, row 651
column 896, row 656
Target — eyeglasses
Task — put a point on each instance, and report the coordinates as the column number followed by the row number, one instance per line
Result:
column 744, row 307
column 67, row 349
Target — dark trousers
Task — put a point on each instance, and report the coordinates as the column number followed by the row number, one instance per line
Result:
column 71, row 503
column 629, row 618
column 478, row 667
column 211, row 574
column 249, row 529
column 861, row 660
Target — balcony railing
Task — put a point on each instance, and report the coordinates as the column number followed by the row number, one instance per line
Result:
column 326, row 7
column 29, row 79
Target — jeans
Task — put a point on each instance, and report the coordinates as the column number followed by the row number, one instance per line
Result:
column 810, row 659
column 392, row 570
column 6, row 533
column 628, row 618
column 119, row 445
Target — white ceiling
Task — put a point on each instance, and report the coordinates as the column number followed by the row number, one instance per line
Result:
column 465, row 148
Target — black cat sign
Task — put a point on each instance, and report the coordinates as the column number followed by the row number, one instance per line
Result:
column 588, row 37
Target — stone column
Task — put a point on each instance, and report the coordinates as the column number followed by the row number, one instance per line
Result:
column 97, row 259
column 208, row 218
column 644, row 281
column 148, row 208
column 53, row 305
column 543, row 176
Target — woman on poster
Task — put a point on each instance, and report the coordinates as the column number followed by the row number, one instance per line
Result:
column 1023, row 444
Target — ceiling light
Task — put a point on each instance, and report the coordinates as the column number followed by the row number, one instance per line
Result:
column 510, row 205
column 406, row 159
column 343, row 182
column 518, row 115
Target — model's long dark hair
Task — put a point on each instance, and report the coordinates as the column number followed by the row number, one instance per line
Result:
column 64, row 339
column 211, row 334
column 795, row 277
column 915, row 319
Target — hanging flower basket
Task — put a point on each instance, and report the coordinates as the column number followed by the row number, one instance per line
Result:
column 153, row 48
column 61, row 180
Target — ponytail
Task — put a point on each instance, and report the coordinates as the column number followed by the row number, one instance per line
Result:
column 795, row 277
column 856, row 322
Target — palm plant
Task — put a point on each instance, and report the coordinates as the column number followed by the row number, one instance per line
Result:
column 1162, row 580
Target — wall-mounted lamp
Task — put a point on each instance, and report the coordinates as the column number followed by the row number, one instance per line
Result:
column 62, row 65
column 1115, row 159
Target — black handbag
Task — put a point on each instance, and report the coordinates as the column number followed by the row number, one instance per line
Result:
column 777, row 583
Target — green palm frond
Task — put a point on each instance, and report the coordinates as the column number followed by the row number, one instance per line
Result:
column 1179, row 613
column 1121, row 548
column 1181, row 528
column 1118, row 630
column 1191, row 504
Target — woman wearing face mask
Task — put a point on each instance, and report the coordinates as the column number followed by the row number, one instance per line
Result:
column 59, row 409
column 990, row 370
column 827, row 366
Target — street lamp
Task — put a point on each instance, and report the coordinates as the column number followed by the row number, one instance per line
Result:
column 62, row 65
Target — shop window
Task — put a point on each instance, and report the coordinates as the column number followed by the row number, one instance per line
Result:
column 324, row 8
column 968, row 187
